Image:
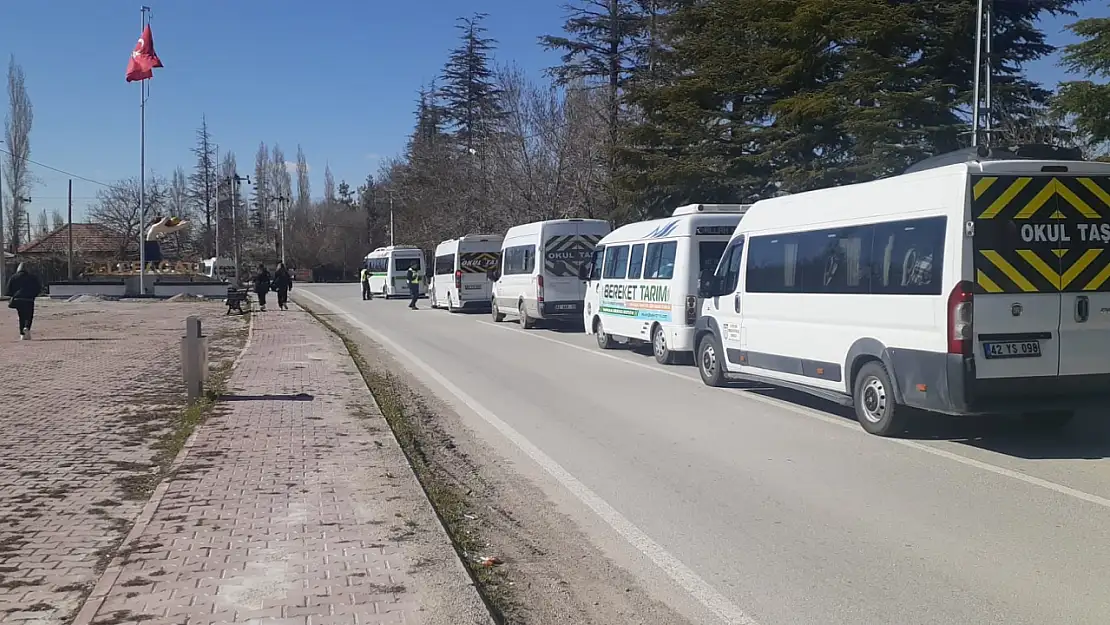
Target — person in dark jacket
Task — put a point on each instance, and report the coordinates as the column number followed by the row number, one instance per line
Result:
column 413, row 277
column 262, row 283
column 23, row 288
column 283, row 283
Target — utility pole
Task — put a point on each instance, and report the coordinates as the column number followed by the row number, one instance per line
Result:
column 282, row 201
column 216, row 235
column 69, row 255
column 391, row 217
column 233, row 182
column 3, row 241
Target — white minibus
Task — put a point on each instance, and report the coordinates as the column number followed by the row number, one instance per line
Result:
column 980, row 286
column 642, row 283
column 388, row 267
column 460, row 277
column 539, row 274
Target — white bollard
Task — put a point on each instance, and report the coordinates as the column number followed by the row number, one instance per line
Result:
column 194, row 359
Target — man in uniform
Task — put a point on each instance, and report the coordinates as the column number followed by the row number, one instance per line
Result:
column 414, row 285
column 364, row 278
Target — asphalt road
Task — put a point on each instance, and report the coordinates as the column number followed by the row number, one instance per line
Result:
column 762, row 507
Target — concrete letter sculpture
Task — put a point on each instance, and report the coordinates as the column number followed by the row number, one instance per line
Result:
column 158, row 231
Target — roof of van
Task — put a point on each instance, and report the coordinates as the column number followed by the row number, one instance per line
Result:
column 683, row 223
column 935, row 190
column 472, row 237
column 536, row 225
column 394, row 248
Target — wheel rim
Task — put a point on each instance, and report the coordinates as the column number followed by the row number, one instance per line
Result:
column 659, row 343
column 873, row 400
column 708, row 361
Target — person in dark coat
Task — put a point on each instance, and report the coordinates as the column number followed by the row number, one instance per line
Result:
column 283, row 283
column 262, row 283
column 23, row 288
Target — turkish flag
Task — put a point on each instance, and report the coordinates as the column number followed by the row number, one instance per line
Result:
column 143, row 58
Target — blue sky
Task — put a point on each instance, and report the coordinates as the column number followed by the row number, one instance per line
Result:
column 339, row 78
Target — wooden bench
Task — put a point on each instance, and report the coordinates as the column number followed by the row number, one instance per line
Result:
column 236, row 298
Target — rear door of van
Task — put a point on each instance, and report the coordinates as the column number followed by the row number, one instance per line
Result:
column 476, row 260
column 566, row 248
column 1042, row 272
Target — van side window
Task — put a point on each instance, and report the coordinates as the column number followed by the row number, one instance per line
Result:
column 636, row 262
column 659, row 260
column 908, row 256
column 836, row 260
column 519, row 259
column 773, row 264
column 616, row 262
column 729, row 268
column 445, row 264
column 595, row 264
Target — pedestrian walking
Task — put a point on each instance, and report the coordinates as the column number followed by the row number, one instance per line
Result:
column 414, row 285
column 23, row 288
column 283, row 283
column 262, row 282
column 364, row 278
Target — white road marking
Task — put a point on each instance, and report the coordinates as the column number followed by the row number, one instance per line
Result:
column 686, row 578
column 851, row 425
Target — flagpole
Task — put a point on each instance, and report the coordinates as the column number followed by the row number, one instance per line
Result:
column 142, row 169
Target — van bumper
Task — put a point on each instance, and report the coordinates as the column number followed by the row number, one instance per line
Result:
column 560, row 310
column 951, row 387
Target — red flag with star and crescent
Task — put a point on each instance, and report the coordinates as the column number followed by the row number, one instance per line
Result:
column 143, row 58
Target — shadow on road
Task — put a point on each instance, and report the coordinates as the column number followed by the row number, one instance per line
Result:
column 86, row 338
column 297, row 397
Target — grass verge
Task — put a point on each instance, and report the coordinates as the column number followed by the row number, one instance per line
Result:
column 447, row 496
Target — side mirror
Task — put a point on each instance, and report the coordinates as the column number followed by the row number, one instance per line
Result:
column 492, row 275
column 584, row 271
column 708, row 285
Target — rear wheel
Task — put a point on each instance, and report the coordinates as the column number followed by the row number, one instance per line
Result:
column 874, row 403
column 663, row 354
column 498, row 316
column 526, row 322
column 451, row 305
column 604, row 341
column 432, row 298
column 709, row 362
column 1048, row 420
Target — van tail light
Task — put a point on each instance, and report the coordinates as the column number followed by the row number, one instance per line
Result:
column 539, row 288
column 691, row 310
column 960, row 317
column 458, row 279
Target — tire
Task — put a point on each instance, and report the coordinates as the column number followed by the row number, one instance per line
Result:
column 604, row 340
column 663, row 355
column 710, row 366
column 873, row 400
column 1048, row 420
column 526, row 322
column 451, row 305
column 432, row 299
column 498, row 316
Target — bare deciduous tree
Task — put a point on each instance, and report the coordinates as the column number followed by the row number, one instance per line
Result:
column 117, row 208
column 57, row 220
column 17, row 137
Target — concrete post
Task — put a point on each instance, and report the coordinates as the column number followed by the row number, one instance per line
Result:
column 194, row 359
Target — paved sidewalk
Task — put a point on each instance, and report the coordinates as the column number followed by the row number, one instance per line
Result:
column 80, row 409
column 293, row 510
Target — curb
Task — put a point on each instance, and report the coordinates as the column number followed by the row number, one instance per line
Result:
column 111, row 574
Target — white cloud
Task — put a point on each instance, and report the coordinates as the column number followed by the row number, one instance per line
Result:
column 373, row 156
column 291, row 167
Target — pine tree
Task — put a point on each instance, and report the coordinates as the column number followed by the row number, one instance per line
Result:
column 471, row 105
column 345, row 196
column 1088, row 101
column 202, row 182
column 260, row 203
column 304, row 190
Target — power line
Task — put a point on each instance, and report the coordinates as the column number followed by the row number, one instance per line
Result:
column 60, row 171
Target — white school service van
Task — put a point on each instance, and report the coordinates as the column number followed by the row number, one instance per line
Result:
column 980, row 287
column 461, row 271
column 539, row 274
column 388, row 267
column 642, row 282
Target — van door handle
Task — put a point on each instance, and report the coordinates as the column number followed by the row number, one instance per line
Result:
column 736, row 302
column 1082, row 308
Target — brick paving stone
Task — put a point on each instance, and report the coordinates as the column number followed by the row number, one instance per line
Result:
column 277, row 515
column 80, row 406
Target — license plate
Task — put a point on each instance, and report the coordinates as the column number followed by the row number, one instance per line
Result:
column 1012, row 349
column 471, row 287
column 564, row 306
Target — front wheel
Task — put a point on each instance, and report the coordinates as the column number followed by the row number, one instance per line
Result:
column 709, row 362
column 498, row 316
column 663, row 354
column 874, row 402
column 604, row 340
column 526, row 322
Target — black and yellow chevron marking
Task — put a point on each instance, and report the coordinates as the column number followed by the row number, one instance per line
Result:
column 1041, row 197
column 1041, row 234
column 478, row 262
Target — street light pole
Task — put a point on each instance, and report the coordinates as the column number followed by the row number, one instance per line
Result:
column 281, row 200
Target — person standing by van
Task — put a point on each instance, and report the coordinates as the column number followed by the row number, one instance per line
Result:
column 364, row 279
column 23, row 288
column 414, row 285
column 262, row 283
